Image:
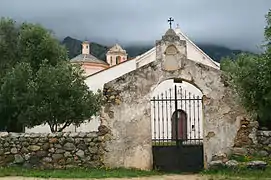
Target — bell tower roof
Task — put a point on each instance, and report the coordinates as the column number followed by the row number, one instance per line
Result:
column 116, row 49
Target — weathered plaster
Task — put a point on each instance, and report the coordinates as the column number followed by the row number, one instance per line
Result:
column 131, row 123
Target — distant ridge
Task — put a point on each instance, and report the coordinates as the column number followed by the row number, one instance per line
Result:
column 214, row 51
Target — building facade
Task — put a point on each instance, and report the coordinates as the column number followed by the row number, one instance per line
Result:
column 99, row 72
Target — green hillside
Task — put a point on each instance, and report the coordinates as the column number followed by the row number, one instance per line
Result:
column 74, row 48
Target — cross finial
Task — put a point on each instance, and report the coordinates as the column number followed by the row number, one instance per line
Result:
column 170, row 20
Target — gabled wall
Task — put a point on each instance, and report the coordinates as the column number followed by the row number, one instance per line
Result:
column 128, row 112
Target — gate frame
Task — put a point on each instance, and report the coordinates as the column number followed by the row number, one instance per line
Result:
column 179, row 142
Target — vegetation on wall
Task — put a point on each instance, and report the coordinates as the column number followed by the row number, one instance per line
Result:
column 250, row 77
column 38, row 84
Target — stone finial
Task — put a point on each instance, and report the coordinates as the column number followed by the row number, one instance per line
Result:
column 177, row 29
column 170, row 36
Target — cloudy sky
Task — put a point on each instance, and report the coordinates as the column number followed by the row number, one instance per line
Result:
column 233, row 23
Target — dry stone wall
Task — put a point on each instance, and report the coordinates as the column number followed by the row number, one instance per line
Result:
column 252, row 149
column 251, row 141
column 55, row 150
column 264, row 143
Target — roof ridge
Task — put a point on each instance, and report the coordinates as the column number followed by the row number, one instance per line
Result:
column 200, row 50
column 87, row 58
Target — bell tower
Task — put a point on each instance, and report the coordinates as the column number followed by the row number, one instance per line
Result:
column 116, row 55
column 85, row 47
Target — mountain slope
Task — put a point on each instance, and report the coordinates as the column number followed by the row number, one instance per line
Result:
column 74, row 47
column 218, row 52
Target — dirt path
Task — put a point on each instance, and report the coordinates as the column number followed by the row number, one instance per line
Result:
column 168, row 177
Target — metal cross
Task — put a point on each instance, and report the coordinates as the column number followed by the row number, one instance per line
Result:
column 170, row 20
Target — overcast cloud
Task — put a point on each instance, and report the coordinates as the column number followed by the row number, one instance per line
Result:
column 233, row 23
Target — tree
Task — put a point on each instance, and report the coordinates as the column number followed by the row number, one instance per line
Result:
column 27, row 42
column 61, row 97
column 8, row 44
column 38, row 84
column 36, row 44
column 250, row 76
column 15, row 92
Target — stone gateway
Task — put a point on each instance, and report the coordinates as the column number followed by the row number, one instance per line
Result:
column 128, row 110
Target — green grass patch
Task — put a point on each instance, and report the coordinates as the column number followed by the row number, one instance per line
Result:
column 76, row 173
column 238, row 173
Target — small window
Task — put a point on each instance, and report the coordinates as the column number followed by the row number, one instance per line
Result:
column 111, row 60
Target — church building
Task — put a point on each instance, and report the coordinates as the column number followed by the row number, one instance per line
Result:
column 90, row 64
column 99, row 72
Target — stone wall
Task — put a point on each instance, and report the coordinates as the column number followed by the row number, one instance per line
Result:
column 55, row 150
column 264, row 143
column 250, row 141
column 127, row 112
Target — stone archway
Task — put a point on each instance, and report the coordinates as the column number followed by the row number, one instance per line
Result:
column 127, row 111
column 176, row 123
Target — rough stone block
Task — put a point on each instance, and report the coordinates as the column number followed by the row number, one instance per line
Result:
column 239, row 151
column 232, row 164
column 216, row 164
column 257, row 165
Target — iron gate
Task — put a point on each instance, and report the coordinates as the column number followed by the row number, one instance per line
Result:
column 177, row 134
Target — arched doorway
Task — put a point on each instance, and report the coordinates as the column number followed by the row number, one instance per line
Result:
column 179, row 125
column 177, row 133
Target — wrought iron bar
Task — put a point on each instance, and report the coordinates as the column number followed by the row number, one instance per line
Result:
column 198, row 117
column 189, row 106
column 170, row 102
column 158, row 120
column 163, row 133
column 166, row 114
column 194, row 116
column 176, row 115
column 185, row 109
column 154, row 119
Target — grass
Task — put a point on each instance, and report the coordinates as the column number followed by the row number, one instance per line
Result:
column 76, row 173
column 238, row 174
column 221, row 174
